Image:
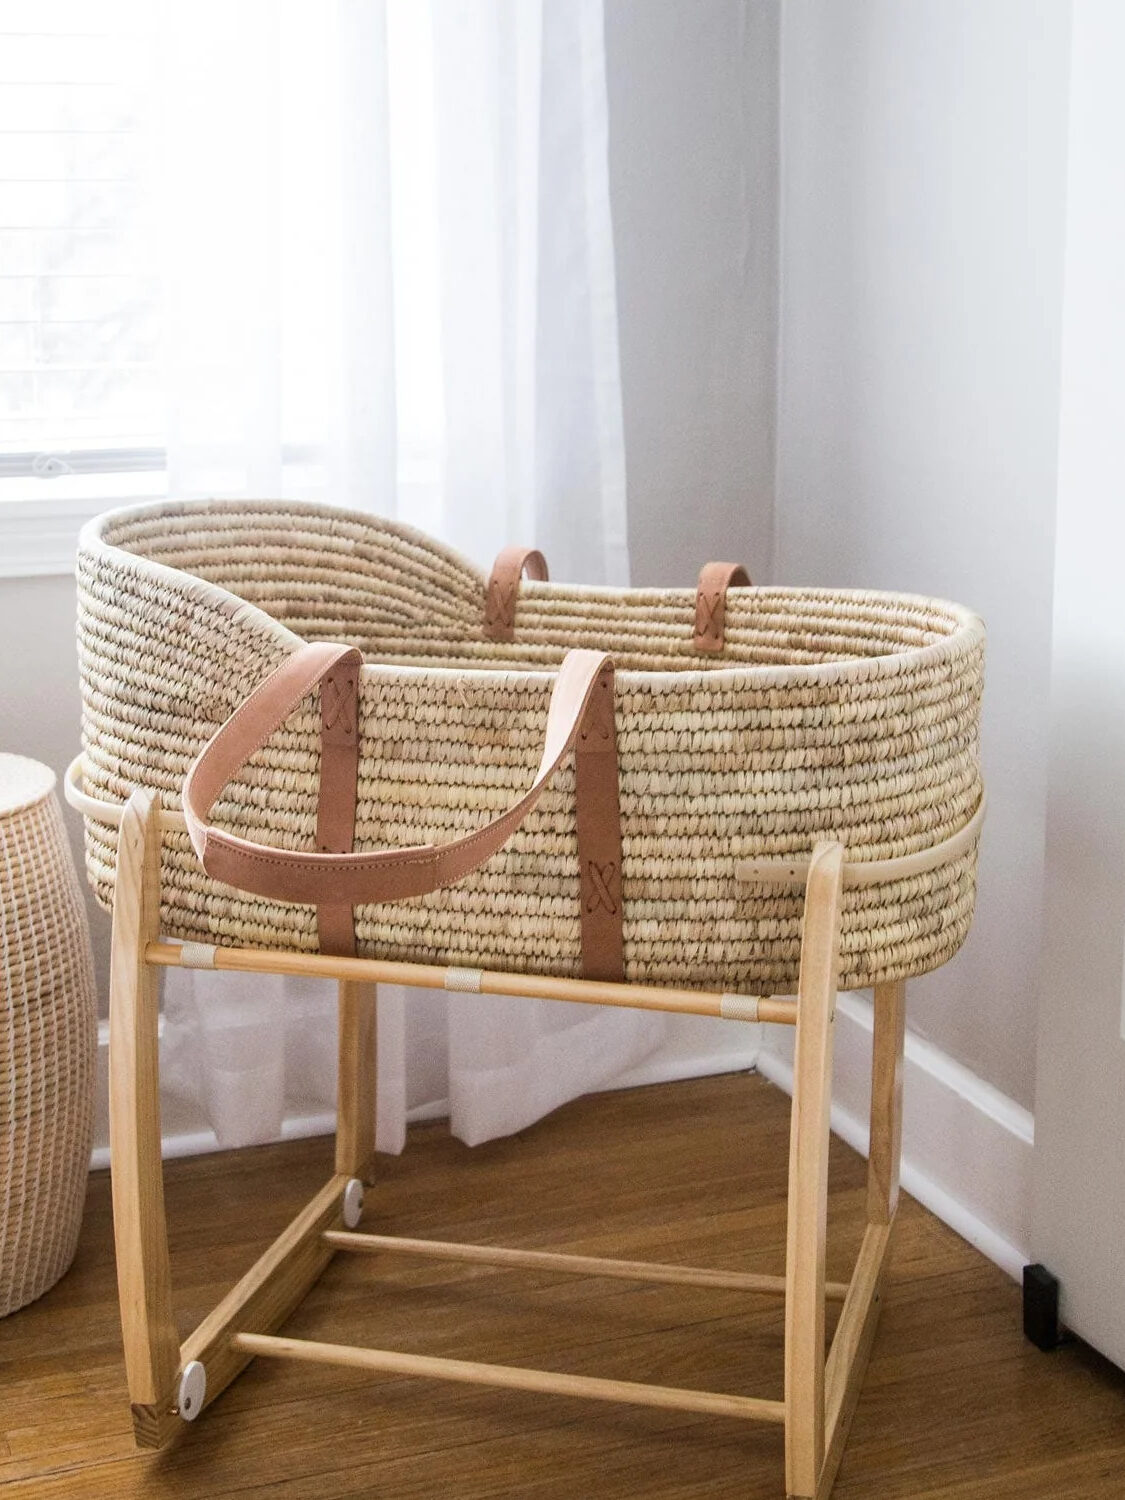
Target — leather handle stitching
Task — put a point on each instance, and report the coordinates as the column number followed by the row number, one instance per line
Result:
column 715, row 578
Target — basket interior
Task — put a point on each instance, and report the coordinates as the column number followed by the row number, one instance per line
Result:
column 398, row 596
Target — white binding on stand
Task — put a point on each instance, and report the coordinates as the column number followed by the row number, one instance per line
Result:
column 197, row 955
column 468, row 981
column 738, row 1007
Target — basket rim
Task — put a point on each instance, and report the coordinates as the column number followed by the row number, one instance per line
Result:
column 969, row 630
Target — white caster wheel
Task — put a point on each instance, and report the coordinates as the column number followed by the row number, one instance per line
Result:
column 192, row 1392
column 353, row 1202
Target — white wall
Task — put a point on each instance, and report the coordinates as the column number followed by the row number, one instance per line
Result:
column 693, row 170
column 923, row 152
column 1079, row 1203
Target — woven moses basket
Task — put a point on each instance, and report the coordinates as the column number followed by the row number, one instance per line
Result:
column 746, row 726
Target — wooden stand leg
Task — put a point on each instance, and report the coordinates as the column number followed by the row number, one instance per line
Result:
column 855, row 1332
column 355, row 1096
column 886, row 1101
column 808, row 1176
column 143, row 1273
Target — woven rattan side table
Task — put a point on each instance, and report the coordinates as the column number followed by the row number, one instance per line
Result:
column 48, row 1034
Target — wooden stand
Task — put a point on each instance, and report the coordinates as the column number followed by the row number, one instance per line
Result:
column 166, row 1383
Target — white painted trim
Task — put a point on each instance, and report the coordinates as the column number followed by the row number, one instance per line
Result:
column 293, row 1128
column 954, row 1076
column 39, row 535
column 202, row 1142
column 968, row 1149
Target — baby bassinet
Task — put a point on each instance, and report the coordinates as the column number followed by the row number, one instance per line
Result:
column 748, row 724
column 502, row 787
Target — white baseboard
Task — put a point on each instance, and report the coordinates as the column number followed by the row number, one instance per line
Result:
column 967, row 1148
column 200, row 1142
column 294, row 1127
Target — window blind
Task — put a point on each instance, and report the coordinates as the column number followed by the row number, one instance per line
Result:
column 80, row 385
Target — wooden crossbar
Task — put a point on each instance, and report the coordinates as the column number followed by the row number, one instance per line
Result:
column 270, row 1290
column 851, row 1343
column 772, row 1008
column 512, row 1378
column 571, row 1265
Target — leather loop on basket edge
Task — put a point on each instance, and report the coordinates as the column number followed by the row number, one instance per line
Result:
column 711, row 603
column 504, row 586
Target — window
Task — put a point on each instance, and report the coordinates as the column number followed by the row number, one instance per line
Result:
column 80, row 411
column 129, row 131
column 79, row 311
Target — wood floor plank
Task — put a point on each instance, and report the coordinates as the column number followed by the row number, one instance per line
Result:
column 956, row 1404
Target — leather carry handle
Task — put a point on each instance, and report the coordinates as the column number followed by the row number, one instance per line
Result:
column 381, row 875
column 711, row 603
column 504, row 586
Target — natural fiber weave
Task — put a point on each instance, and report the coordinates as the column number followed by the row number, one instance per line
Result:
column 830, row 714
column 47, row 1038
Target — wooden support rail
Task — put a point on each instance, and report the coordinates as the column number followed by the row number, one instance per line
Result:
column 808, row 1175
column 571, row 1265
column 144, row 1276
column 271, row 1289
column 794, row 873
column 174, row 955
column 466, row 1372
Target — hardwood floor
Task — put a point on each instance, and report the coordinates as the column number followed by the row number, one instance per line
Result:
column 955, row 1404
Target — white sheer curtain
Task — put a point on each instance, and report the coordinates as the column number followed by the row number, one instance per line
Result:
column 389, row 284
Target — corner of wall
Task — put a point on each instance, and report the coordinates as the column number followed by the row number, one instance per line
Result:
column 778, row 285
